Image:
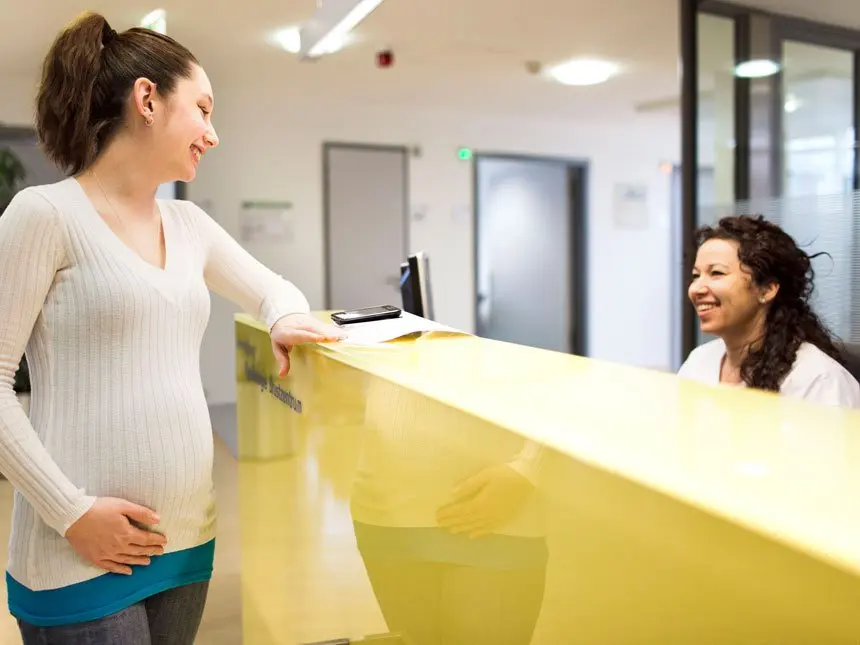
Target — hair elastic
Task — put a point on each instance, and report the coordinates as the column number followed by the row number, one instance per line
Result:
column 108, row 34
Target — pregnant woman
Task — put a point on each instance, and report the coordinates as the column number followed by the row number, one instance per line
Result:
column 107, row 287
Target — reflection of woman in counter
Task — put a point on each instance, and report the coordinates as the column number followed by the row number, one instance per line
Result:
column 448, row 522
column 751, row 287
column 108, row 288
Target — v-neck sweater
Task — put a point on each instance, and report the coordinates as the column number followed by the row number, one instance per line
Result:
column 113, row 346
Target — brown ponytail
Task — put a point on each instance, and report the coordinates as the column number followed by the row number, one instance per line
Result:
column 86, row 79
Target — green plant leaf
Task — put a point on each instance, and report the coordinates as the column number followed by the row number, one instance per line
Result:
column 11, row 173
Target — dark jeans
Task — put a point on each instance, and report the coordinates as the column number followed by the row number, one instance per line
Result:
column 169, row 618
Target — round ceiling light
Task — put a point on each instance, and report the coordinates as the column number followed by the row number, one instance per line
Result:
column 583, row 72
column 756, row 68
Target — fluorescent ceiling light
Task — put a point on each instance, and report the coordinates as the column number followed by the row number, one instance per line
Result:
column 290, row 39
column 156, row 21
column 583, row 72
column 333, row 40
column 330, row 45
column 756, row 68
column 327, row 31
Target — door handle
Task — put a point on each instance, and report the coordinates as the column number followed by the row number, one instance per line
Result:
column 485, row 302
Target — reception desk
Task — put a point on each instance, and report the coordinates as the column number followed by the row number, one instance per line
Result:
column 459, row 491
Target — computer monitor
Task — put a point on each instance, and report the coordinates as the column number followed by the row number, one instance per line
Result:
column 415, row 288
column 406, row 289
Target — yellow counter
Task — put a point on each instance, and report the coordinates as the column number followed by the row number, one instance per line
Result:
column 620, row 505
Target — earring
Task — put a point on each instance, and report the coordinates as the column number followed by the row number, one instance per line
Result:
column 149, row 121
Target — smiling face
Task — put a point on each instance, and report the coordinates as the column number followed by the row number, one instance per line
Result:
column 727, row 300
column 182, row 130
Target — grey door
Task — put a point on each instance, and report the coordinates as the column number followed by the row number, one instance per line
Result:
column 366, row 220
column 525, row 252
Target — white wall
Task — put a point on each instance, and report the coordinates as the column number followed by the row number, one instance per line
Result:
column 17, row 94
column 272, row 149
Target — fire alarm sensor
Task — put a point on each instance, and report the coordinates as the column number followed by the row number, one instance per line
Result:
column 533, row 67
column 384, row 58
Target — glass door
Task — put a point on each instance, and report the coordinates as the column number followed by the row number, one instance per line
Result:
column 818, row 152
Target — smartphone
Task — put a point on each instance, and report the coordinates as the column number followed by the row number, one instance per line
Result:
column 366, row 314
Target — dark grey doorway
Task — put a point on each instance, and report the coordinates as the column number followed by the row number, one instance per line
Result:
column 530, row 251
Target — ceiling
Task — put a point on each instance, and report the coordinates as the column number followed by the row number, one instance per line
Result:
column 455, row 54
column 835, row 12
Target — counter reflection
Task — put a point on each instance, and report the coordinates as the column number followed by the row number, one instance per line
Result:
column 385, row 515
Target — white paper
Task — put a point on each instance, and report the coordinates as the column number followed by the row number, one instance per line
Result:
column 377, row 332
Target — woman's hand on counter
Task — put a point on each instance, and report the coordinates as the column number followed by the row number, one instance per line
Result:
column 296, row 329
column 485, row 502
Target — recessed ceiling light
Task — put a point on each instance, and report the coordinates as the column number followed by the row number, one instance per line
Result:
column 289, row 39
column 756, row 68
column 156, row 21
column 792, row 104
column 583, row 72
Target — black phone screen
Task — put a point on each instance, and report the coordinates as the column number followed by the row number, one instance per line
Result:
column 362, row 313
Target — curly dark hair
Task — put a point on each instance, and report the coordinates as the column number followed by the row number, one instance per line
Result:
column 771, row 256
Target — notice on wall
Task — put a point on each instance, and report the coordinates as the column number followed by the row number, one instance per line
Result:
column 269, row 222
column 630, row 206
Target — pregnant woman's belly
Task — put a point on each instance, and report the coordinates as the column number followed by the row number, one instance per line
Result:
column 154, row 453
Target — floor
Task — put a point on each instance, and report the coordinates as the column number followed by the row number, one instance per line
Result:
column 222, row 624
column 301, row 579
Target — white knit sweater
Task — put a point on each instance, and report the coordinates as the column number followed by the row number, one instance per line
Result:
column 113, row 347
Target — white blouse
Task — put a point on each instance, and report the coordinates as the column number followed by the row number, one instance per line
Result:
column 815, row 376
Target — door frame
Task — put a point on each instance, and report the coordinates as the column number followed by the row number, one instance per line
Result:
column 348, row 145
column 578, row 171
column 17, row 132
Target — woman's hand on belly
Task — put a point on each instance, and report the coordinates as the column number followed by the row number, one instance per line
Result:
column 485, row 502
column 108, row 536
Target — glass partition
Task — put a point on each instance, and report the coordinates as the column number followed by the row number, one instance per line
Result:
column 818, row 153
column 776, row 134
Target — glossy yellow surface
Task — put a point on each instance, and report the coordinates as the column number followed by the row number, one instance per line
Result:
column 265, row 409
column 621, row 505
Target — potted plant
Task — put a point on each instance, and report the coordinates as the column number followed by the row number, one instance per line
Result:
column 12, row 173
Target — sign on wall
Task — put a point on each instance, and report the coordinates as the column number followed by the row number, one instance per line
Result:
column 266, row 221
column 630, row 206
